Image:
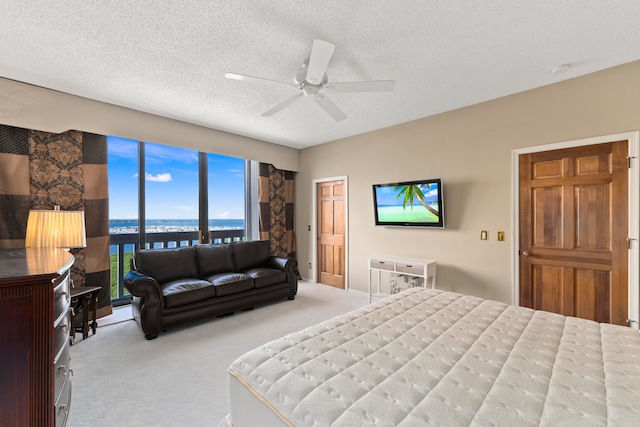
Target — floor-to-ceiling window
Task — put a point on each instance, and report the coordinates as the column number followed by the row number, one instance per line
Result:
column 226, row 195
column 123, row 209
column 182, row 196
column 171, row 194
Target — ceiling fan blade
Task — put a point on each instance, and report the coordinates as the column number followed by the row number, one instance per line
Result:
column 284, row 104
column 321, row 53
column 260, row 80
column 368, row 86
column 330, row 107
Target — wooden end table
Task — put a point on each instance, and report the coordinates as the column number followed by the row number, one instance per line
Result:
column 84, row 297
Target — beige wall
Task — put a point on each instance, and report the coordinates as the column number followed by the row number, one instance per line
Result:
column 33, row 107
column 470, row 149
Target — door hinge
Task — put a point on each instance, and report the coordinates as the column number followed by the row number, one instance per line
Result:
column 629, row 161
column 629, row 240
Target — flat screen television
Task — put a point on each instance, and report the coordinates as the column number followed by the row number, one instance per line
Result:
column 409, row 204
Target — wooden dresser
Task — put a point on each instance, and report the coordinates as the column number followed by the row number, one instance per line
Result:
column 35, row 378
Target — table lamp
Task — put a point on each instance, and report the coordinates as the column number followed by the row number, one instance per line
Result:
column 56, row 229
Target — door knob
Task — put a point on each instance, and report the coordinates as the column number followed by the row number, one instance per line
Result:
column 526, row 253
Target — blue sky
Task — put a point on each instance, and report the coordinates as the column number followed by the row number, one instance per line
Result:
column 386, row 196
column 172, row 182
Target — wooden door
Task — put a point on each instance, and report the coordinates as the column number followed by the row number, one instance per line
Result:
column 573, row 231
column 331, row 233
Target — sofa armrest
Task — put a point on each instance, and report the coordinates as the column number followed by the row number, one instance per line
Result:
column 290, row 267
column 147, row 302
column 280, row 263
column 140, row 285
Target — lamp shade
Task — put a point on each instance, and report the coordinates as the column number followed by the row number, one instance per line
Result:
column 56, row 229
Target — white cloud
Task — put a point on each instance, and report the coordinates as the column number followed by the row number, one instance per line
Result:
column 161, row 177
column 223, row 215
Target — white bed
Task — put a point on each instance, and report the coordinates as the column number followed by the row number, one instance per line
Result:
column 428, row 357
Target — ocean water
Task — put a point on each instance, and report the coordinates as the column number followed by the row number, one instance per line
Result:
column 128, row 226
column 122, row 226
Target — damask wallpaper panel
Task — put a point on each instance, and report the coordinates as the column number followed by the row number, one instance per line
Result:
column 57, row 178
column 276, row 189
column 68, row 170
column 55, row 163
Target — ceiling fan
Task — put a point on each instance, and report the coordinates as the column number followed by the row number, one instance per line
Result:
column 312, row 81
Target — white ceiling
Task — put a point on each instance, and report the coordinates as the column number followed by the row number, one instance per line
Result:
column 169, row 57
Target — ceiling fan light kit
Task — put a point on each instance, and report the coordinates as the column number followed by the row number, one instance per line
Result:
column 312, row 81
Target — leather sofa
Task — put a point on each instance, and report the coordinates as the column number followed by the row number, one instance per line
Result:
column 175, row 286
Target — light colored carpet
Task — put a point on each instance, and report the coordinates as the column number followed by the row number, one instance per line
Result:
column 180, row 379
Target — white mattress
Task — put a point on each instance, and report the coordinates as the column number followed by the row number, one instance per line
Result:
column 428, row 357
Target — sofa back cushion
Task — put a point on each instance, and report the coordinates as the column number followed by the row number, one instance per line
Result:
column 167, row 264
column 251, row 254
column 213, row 259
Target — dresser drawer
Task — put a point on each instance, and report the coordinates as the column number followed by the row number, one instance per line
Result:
column 410, row 269
column 63, row 403
column 62, row 296
column 61, row 333
column 62, row 370
column 381, row 265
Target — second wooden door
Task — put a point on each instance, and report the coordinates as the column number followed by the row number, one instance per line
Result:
column 331, row 233
column 573, row 231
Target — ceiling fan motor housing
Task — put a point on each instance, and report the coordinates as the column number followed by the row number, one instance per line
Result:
column 308, row 88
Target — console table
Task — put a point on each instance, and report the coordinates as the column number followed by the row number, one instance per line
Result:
column 84, row 298
column 398, row 266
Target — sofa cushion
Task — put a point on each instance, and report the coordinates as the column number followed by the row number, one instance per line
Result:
column 251, row 254
column 263, row 276
column 230, row 283
column 214, row 259
column 165, row 265
column 186, row 291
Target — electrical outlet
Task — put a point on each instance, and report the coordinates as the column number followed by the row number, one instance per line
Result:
column 500, row 236
column 309, row 266
column 484, row 235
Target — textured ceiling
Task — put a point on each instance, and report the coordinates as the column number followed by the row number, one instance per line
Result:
column 169, row 57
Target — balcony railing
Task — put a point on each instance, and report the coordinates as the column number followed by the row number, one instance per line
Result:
column 123, row 246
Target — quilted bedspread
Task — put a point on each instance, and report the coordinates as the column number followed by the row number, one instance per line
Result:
column 427, row 357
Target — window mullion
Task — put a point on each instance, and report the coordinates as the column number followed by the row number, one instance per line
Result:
column 142, row 238
column 203, row 196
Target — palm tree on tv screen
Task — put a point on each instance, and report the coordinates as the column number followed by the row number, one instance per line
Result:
column 409, row 192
